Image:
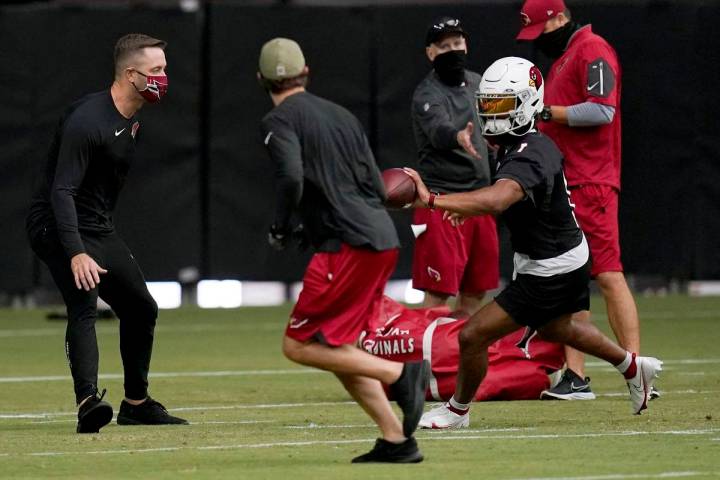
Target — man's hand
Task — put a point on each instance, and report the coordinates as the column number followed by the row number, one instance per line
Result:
column 423, row 194
column 86, row 271
column 464, row 138
column 455, row 219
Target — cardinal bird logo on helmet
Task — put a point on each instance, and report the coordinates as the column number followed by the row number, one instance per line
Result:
column 536, row 79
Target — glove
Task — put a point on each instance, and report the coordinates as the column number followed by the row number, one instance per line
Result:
column 278, row 238
column 299, row 235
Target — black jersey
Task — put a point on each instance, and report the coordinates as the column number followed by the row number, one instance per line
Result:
column 542, row 225
column 438, row 113
column 89, row 158
column 326, row 172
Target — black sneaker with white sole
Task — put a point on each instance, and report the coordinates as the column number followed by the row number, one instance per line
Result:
column 388, row 452
column 150, row 412
column 409, row 393
column 571, row 387
column 94, row 414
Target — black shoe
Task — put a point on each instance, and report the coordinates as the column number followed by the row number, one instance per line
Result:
column 571, row 387
column 409, row 393
column 387, row 452
column 654, row 393
column 94, row 414
column 150, row 412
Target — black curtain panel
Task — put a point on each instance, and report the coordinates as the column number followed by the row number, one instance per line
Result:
column 201, row 191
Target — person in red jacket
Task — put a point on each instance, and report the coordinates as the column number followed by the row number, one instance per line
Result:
column 582, row 116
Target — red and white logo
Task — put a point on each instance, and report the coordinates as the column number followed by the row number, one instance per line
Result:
column 525, row 19
column 434, row 274
column 536, row 79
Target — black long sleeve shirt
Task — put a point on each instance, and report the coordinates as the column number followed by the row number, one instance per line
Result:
column 326, row 173
column 438, row 113
column 88, row 161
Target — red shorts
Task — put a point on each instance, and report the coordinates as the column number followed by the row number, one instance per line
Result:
column 341, row 293
column 451, row 259
column 596, row 210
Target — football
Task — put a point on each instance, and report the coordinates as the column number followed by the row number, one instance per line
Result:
column 399, row 187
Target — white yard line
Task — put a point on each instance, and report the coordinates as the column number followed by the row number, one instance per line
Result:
column 45, row 415
column 211, row 373
column 113, row 328
column 433, row 436
column 621, row 476
column 293, row 371
column 681, row 361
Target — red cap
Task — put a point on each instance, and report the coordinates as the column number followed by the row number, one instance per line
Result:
column 534, row 15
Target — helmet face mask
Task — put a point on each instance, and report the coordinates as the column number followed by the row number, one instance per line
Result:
column 509, row 97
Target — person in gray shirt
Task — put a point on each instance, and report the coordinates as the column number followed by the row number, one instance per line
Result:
column 452, row 157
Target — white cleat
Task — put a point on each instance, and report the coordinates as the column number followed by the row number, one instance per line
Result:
column 641, row 384
column 440, row 417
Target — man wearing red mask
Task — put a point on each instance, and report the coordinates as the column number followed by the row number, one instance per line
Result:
column 70, row 228
column 582, row 116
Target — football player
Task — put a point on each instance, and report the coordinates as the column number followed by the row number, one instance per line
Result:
column 552, row 258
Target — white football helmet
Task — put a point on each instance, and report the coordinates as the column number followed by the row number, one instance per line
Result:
column 509, row 97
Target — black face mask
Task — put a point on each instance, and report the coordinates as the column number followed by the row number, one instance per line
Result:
column 553, row 43
column 450, row 67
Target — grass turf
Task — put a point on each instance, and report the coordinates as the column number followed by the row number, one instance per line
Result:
column 258, row 416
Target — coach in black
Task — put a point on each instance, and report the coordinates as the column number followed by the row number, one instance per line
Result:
column 326, row 174
column 452, row 157
column 71, row 229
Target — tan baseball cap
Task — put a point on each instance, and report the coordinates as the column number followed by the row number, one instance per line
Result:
column 281, row 58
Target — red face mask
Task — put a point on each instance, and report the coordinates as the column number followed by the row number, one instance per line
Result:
column 156, row 88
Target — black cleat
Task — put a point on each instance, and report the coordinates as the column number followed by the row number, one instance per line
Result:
column 571, row 387
column 409, row 393
column 94, row 414
column 150, row 412
column 387, row 452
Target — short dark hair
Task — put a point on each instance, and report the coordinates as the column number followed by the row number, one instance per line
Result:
column 567, row 13
column 279, row 86
column 130, row 44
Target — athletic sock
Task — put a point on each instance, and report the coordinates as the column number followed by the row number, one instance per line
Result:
column 628, row 367
column 457, row 407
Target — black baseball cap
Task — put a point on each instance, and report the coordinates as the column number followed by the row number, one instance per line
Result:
column 442, row 26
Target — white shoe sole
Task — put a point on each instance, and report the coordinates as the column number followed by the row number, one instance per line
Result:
column 431, row 425
column 548, row 395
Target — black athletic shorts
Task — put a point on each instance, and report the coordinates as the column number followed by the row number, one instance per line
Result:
column 534, row 301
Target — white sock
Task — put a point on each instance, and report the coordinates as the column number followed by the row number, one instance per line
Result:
column 625, row 364
column 457, row 405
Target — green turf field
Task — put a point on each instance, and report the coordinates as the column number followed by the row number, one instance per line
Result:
column 255, row 415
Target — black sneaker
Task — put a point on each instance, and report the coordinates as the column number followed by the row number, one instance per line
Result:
column 150, row 412
column 409, row 393
column 387, row 452
column 654, row 393
column 94, row 414
column 571, row 387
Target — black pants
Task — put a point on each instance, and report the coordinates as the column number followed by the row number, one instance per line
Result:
column 124, row 289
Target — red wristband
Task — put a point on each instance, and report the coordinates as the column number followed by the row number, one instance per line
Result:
column 431, row 201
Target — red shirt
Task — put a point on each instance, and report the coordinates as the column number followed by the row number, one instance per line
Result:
column 588, row 71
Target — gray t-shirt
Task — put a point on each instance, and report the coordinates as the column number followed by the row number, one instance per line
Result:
column 326, row 173
column 438, row 113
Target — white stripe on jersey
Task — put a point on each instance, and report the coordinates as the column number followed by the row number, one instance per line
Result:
column 547, row 267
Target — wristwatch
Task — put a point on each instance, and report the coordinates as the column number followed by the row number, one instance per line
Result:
column 546, row 114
